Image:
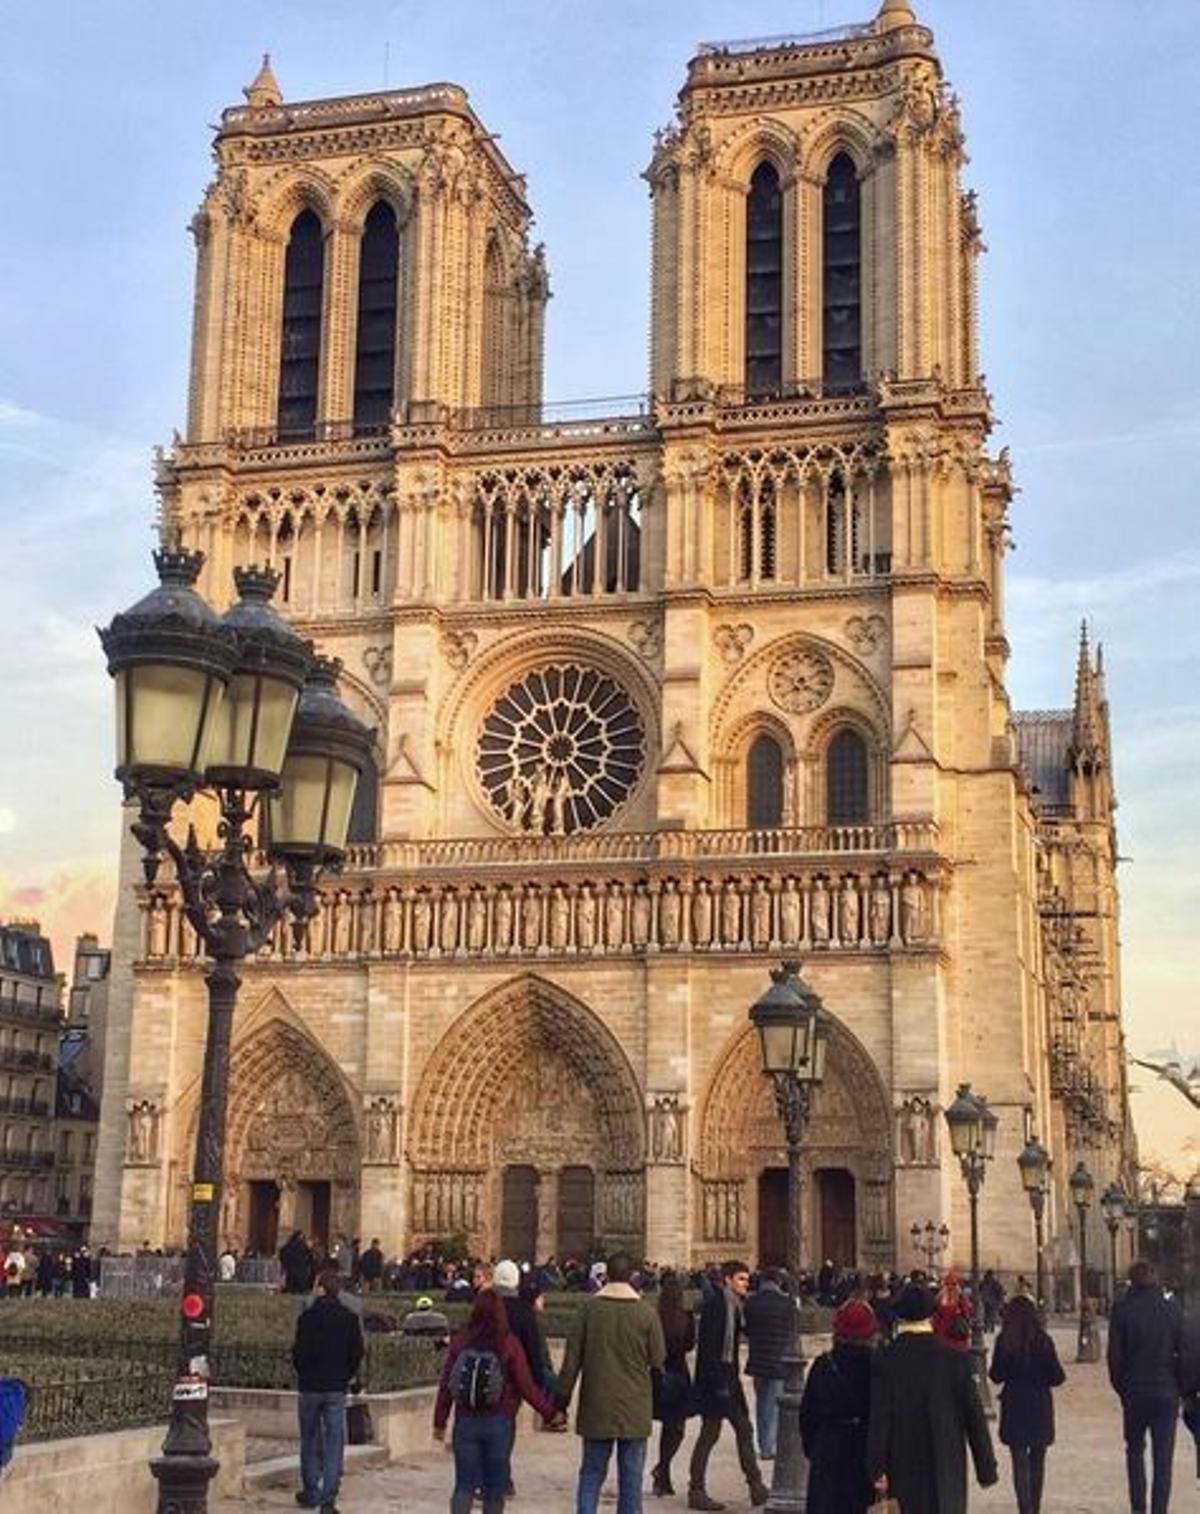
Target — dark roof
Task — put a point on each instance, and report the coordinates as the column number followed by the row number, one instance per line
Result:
column 24, row 950
column 1043, row 744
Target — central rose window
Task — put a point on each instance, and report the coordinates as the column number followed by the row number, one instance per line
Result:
column 561, row 750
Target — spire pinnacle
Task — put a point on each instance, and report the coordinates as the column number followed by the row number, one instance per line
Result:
column 263, row 91
column 894, row 14
column 1087, row 735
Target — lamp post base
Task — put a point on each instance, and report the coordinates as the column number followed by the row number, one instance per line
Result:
column 979, row 1371
column 183, row 1482
column 1088, row 1349
column 789, row 1478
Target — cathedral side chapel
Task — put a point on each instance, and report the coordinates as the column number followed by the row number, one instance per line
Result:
column 660, row 697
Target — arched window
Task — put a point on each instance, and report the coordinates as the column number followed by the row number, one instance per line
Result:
column 364, row 817
column 842, row 514
column 764, row 282
column 842, row 340
column 375, row 344
column 300, row 346
column 757, row 533
column 846, row 779
column 764, row 783
column 495, row 310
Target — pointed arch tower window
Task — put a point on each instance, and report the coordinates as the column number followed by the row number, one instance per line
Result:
column 300, row 345
column 842, row 281
column 764, row 783
column 764, row 282
column 375, row 343
column 846, row 771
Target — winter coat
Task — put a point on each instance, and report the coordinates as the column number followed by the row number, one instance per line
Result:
column 1145, row 1335
column 718, row 1389
column 769, row 1313
column 615, row 1345
column 518, row 1385
column 1026, row 1402
column 834, row 1415
column 925, row 1410
column 673, row 1385
column 522, row 1321
column 328, row 1347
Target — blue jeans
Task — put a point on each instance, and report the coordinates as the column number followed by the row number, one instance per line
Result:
column 1157, row 1414
column 322, row 1445
column 593, row 1469
column 482, row 1443
column 766, row 1412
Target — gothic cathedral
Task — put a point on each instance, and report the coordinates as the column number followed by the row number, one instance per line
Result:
column 661, row 697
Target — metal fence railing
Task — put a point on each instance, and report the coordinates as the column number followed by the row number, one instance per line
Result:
column 90, row 1399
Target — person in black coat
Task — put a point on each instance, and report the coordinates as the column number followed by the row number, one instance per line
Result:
column 718, row 1393
column 768, row 1313
column 834, row 1414
column 673, row 1385
column 925, row 1411
column 1026, row 1363
column 327, row 1353
column 298, row 1263
column 1145, row 1341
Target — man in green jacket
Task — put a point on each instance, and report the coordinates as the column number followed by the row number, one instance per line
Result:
column 615, row 1344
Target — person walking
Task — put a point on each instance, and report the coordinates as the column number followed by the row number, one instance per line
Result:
column 768, row 1313
column 522, row 1322
column 296, row 1259
column 614, row 1348
column 719, row 1394
column 925, row 1412
column 673, row 1387
column 1025, row 1362
column 952, row 1315
column 1145, row 1340
column 427, row 1323
column 370, row 1267
column 327, row 1353
column 484, row 1379
column 834, row 1414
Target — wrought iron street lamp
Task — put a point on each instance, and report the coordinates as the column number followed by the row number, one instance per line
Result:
column 1113, row 1205
column 793, row 1031
column 973, row 1129
column 930, row 1241
column 1035, row 1164
column 1083, row 1189
column 236, row 706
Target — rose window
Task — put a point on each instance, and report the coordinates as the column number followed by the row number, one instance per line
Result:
column 561, row 750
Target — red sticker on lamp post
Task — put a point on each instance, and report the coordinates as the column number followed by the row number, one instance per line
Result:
column 193, row 1306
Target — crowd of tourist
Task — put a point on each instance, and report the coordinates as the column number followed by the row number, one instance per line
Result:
column 27, row 1271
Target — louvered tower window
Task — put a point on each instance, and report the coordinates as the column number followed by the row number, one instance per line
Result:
column 764, row 783
column 842, row 341
column 300, row 348
column 846, row 779
column 375, row 344
column 764, row 282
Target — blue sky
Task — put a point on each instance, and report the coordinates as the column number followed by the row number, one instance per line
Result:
column 1083, row 139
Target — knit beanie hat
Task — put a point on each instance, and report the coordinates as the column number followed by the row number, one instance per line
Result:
column 855, row 1321
column 916, row 1302
column 506, row 1277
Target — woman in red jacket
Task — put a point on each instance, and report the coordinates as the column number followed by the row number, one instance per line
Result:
column 484, row 1379
column 952, row 1317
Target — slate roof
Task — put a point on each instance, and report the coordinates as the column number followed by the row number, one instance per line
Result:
column 1043, row 742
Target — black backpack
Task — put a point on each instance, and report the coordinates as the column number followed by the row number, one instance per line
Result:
column 477, row 1379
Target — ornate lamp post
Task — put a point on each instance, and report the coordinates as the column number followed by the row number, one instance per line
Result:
column 236, row 706
column 930, row 1241
column 1035, row 1164
column 973, row 1141
column 1113, row 1204
column 1083, row 1190
column 793, row 1030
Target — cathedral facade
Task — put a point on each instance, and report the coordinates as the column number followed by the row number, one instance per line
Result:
column 661, row 697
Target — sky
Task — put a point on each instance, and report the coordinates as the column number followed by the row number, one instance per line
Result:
column 1082, row 134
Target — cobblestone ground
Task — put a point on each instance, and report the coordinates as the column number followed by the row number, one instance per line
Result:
column 1085, row 1474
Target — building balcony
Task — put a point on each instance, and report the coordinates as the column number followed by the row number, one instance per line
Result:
column 26, row 1061
column 25, row 1012
column 37, row 1107
column 36, row 1160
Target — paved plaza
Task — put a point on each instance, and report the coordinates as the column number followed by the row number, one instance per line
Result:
column 1085, row 1470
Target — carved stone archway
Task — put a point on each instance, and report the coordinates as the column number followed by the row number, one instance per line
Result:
column 528, row 1077
column 850, row 1131
column 291, row 1123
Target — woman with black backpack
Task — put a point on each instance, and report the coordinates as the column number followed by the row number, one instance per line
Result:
column 484, row 1378
column 673, row 1385
column 1025, row 1361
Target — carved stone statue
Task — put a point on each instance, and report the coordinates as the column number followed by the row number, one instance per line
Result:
column 702, row 914
column 366, row 923
column 640, row 917
column 448, row 937
column 477, row 921
column 158, row 926
column 383, row 1124
column 585, row 919
column 520, row 794
column 760, row 914
column 666, row 1128
column 341, row 922
column 541, row 804
column 668, row 915
column 393, row 919
column 789, row 913
column 560, row 916
column 531, row 920
column 881, row 911
column 558, row 804
column 422, row 922
column 731, row 914
column 916, row 1133
column 614, row 917
column 820, row 914
column 848, row 913
column 141, row 1139
column 914, row 911
column 504, row 920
